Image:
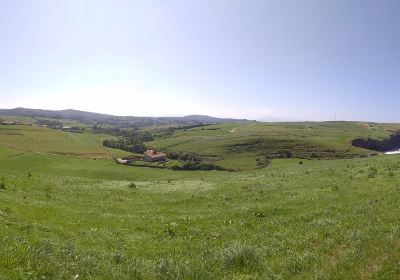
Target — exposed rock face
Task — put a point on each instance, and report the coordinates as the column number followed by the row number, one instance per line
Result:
column 387, row 145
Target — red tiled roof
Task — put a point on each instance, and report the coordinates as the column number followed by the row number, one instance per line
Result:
column 154, row 154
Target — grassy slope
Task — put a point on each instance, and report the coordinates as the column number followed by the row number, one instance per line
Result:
column 45, row 140
column 17, row 118
column 236, row 145
column 68, row 122
column 76, row 216
column 33, row 120
column 63, row 216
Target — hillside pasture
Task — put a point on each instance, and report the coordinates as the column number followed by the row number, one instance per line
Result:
column 242, row 145
column 51, row 141
column 69, row 217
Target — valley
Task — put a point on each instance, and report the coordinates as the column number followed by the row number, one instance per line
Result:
column 302, row 202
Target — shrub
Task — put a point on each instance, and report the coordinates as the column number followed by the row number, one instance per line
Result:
column 197, row 166
column 173, row 155
column 190, row 157
column 285, row 154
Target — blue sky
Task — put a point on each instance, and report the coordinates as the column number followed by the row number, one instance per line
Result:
column 266, row 60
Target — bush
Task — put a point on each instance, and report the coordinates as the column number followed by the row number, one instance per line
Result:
column 198, row 166
column 285, row 154
column 130, row 144
column 173, row 155
column 190, row 157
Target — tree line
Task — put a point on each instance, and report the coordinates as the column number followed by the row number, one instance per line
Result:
column 132, row 141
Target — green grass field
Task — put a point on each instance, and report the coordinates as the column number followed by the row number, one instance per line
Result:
column 68, row 217
column 239, row 145
column 51, row 141
column 34, row 120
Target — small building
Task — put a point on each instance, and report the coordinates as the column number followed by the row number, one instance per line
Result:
column 129, row 160
column 122, row 161
column 154, row 156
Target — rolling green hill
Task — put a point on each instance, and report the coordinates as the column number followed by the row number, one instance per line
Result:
column 246, row 145
column 73, row 217
column 51, row 141
column 83, row 116
column 69, row 217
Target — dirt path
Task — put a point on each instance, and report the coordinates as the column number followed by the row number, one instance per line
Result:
column 233, row 130
column 24, row 152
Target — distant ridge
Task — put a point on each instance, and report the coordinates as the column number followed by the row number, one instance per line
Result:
column 98, row 117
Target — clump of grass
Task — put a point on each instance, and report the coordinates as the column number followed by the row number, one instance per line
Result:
column 334, row 186
column 132, row 185
column 296, row 263
column 260, row 214
column 167, row 269
column 134, row 269
column 241, row 257
column 118, row 258
column 170, row 229
column 3, row 184
column 170, row 269
column 372, row 172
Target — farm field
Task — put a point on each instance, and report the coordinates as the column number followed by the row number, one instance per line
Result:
column 51, row 141
column 67, row 217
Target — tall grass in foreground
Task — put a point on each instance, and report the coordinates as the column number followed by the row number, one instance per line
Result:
column 318, row 220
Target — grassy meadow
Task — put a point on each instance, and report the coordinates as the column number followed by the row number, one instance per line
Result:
column 75, row 217
column 242, row 145
column 51, row 141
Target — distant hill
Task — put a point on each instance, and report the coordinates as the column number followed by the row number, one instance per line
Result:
column 208, row 119
column 62, row 114
column 97, row 117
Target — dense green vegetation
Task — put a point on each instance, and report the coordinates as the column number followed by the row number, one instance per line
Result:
column 69, row 217
column 130, row 141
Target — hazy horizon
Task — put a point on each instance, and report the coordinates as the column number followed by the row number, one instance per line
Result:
column 267, row 119
column 269, row 60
